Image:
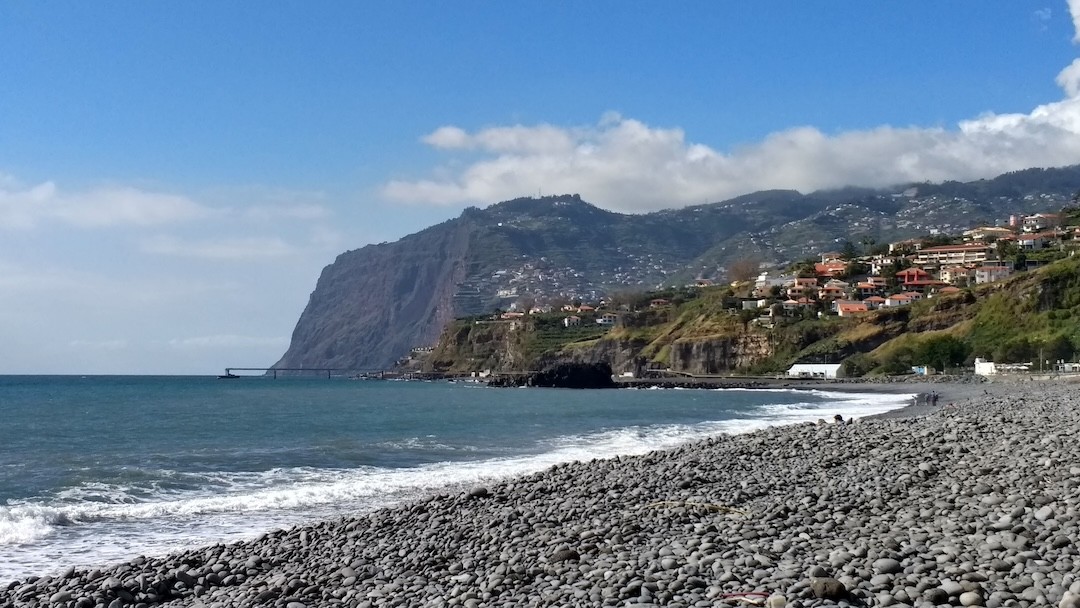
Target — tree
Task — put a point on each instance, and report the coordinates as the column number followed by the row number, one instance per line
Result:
column 848, row 252
column 743, row 269
column 942, row 352
column 868, row 244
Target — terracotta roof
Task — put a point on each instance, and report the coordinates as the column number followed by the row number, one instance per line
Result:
column 852, row 307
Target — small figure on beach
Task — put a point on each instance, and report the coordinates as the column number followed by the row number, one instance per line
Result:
column 838, row 419
column 933, row 398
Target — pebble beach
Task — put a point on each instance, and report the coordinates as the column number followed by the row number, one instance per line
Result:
column 972, row 503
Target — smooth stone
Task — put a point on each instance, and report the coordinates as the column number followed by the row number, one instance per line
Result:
column 827, row 588
column 971, row 598
column 888, row 565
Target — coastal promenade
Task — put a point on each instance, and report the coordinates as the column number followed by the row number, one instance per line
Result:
column 975, row 503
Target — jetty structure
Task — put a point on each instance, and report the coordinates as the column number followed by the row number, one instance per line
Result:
column 228, row 375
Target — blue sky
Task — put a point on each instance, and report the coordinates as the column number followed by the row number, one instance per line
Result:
column 173, row 176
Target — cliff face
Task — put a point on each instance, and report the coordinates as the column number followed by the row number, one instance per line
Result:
column 374, row 304
column 468, row 346
column 720, row 354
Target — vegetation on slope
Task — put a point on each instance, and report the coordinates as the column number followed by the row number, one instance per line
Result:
column 1033, row 316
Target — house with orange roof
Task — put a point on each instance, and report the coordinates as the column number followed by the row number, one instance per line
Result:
column 899, row 299
column 874, row 302
column 800, row 287
column 795, row 304
column 924, row 286
column 571, row 321
column 659, row 303
column 948, row 290
column 830, row 269
column 846, row 309
column 909, row 275
column 866, row 289
column 831, row 292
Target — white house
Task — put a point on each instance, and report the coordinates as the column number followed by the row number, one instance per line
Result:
column 989, row 274
column 827, row 371
column 984, row 367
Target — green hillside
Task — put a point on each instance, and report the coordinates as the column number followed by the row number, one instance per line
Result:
column 1031, row 317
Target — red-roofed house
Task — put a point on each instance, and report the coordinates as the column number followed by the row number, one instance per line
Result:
column 793, row 304
column 831, row 292
column 874, row 302
column 899, row 299
column 865, row 290
column 830, row 269
column 924, row 285
column 846, row 309
column 909, row 275
column 801, row 287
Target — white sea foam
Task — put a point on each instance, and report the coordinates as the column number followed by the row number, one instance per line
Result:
column 109, row 523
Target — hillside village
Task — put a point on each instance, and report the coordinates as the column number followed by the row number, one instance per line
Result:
column 1005, row 290
column 851, row 282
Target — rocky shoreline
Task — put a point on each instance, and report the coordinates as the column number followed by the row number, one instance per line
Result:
column 974, row 504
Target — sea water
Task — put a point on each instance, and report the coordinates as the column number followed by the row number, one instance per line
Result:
column 96, row 470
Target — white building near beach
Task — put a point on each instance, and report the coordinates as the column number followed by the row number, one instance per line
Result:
column 984, row 367
column 827, row 371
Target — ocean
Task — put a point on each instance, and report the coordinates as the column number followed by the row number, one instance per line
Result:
column 97, row 470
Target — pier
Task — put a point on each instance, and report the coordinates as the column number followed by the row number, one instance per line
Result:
column 327, row 370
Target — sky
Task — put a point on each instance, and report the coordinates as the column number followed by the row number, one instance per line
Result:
column 174, row 176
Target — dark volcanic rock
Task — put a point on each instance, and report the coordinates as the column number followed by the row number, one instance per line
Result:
column 563, row 375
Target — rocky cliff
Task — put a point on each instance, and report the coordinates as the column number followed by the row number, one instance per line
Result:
column 374, row 304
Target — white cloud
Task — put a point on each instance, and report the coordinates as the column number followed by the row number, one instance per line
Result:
column 24, row 207
column 1074, row 12
column 625, row 164
column 228, row 341
column 99, row 344
column 220, row 249
column 303, row 211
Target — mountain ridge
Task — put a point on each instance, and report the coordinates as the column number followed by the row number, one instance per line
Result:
column 373, row 304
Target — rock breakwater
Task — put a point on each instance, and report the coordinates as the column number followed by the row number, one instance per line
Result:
column 973, row 505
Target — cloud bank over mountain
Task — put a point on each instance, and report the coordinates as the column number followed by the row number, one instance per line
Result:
column 627, row 165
